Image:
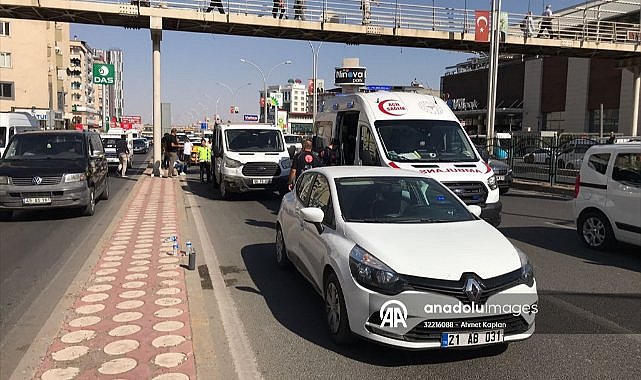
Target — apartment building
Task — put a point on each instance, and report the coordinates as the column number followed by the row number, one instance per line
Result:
column 33, row 69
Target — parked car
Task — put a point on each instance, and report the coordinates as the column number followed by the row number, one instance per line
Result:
column 53, row 169
column 538, row 156
column 571, row 155
column 503, row 173
column 140, row 145
column 380, row 245
column 607, row 204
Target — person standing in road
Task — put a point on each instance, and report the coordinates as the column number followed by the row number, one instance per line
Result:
column 546, row 22
column 299, row 10
column 204, row 158
column 122, row 151
column 218, row 4
column 172, row 150
column 305, row 160
column 187, row 151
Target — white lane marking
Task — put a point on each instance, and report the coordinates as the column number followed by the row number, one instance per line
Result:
column 561, row 226
column 239, row 346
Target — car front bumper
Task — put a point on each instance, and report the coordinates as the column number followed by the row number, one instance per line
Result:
column 363, row 308
column 491, row 212
column 73, row 194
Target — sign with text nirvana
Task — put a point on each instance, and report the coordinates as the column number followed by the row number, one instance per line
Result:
column 103, row 73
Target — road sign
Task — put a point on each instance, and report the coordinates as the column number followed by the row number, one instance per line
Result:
column 103, row 73
column 276, row 99
column 251, row 118
column 203, row 125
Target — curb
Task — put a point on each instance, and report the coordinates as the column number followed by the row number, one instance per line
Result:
column 565, row 190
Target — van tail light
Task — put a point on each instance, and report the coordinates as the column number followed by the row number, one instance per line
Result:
column 577, row 186
column 392, row 164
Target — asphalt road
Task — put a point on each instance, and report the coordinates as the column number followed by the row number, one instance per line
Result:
column 588, row 326
column 41, row 253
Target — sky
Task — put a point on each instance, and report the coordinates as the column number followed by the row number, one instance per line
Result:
column 193, row 63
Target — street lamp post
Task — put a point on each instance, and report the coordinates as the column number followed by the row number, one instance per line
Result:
column 265, row 81
column 314, row 78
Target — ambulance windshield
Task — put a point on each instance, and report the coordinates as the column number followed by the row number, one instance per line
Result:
column 425, row 141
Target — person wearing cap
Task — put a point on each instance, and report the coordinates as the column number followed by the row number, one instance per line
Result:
column 546, row 22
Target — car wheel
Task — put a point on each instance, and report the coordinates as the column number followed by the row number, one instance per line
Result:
column 595, row 231
column 224, row 190
column 90, row 208
column 336, row 312
column 105, row 193
column 281, row 250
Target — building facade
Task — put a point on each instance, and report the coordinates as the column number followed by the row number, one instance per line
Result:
column 34, row 57
column 84, row 110
column 543, row 94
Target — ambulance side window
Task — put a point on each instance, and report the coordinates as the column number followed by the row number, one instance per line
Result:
column 367, row 149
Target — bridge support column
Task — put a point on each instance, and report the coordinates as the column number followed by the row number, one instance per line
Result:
column 155, row 24
column 635, row 102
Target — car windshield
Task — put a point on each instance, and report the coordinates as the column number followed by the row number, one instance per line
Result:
column 293, row 139
column 398, row 200
column 425, row 141
column 45, row 146
column 139, row 143
column 254, row 140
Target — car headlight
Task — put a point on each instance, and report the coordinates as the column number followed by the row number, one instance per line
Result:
column 286, row 163
column 527, row 270
column 491, row 182
column 4, row 180
column 74, row 177
column 231, row 163
column 373, row 274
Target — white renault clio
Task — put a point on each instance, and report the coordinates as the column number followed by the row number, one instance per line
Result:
column 400, row 260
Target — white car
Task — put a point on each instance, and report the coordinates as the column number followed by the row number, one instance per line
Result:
column 400, row 260
column 607, row 204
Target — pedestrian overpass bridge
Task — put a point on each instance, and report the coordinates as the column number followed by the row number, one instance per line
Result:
column 389, row 23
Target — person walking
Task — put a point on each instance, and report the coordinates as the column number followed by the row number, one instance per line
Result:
column 122, row 151
column 218, row 4
column 165, row 154
column 204, row 158
column 305, row 160
column 366, row 8
column 172, row 151
column 529, row 25
column 279, row 5
column 546, row 22
column 299, row 10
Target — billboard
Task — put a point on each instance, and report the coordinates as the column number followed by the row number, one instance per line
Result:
column 129, row 122
column 349, row 76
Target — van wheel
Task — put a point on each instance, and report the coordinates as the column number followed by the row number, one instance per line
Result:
column 90, row 208
column 105, row 193
column 224, row 190
column 595, row 231
column 336, row 312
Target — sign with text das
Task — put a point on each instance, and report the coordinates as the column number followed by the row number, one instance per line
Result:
column 103, row 73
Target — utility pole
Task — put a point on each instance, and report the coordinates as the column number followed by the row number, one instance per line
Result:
column 493, row 69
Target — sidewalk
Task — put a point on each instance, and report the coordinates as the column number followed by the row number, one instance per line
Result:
column 131, row 319
column 543, row 187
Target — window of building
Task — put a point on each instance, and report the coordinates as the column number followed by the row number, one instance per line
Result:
column 6, row 90
column 5, row 60
column 610, row 120
column 4, row 28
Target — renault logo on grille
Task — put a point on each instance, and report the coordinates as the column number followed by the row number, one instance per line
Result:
column 472, row 289
column 36, row 180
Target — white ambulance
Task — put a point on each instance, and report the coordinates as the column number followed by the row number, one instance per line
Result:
column 413, row 132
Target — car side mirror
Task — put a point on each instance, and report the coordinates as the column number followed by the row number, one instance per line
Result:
column 315, row 216
column 475, row 210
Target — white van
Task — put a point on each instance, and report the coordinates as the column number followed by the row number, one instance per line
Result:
column 109, row 142
column 249, row 157
column 409, row 131
column 12, row 123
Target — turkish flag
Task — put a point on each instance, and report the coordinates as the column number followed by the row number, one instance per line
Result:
column 482, row 29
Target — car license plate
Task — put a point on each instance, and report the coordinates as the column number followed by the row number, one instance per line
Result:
column 36, row 201
column 471, row 338
column 261, row 181
column 500, row 178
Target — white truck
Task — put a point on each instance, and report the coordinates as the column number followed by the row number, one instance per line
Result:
column 409, row 131
column 12, row 123
column 109, row 142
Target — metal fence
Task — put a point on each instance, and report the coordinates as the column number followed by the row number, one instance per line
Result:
column 406, row 15
column 554, row 159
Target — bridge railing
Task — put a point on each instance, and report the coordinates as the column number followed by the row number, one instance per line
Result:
column 408, row 15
